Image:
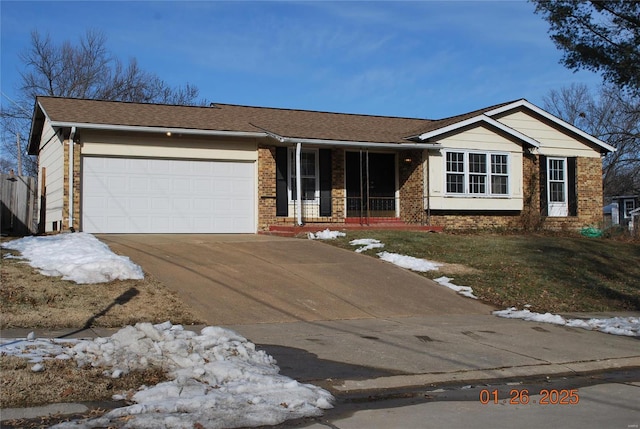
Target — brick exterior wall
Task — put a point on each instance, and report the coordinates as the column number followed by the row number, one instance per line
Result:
column 338, row 192
column 411, row 181
column 589, row 210
column 77, row 174
column 267, row 190
column 590, row 198
column 266, row 187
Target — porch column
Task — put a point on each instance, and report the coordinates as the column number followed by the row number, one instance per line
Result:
column 298, row 183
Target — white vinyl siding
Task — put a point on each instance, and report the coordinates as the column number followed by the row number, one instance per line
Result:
column 140, row 145
column 553, row 141
column 51, row 158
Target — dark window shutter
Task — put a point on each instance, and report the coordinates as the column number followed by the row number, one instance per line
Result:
column 282, row 206
column 572, row 191
column 325, row 182
column 544, row 201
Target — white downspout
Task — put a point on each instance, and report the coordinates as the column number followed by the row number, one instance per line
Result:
column 298, row 183
column 71, row 137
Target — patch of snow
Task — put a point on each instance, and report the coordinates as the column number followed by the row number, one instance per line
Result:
column 366, row 244
column 628, row 326
column 79, row 257
column 409, row 262
column 462, row 290
column 219, row 379
column 326, row 235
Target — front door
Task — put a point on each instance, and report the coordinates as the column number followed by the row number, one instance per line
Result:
column 371, row 185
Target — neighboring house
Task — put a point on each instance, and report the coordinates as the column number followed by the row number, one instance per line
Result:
column 116, row 167
column 621, row 209
column 634, row 222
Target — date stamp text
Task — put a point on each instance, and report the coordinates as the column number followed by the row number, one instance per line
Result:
column 523, row 397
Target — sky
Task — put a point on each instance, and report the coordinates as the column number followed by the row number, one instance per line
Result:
column 422, row 59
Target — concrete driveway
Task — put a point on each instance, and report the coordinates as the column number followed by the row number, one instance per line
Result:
column 250, row 279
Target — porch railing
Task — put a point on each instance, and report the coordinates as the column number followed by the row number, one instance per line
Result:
column 366, row 211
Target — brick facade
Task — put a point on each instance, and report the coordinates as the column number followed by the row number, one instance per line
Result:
column 590, row 198
column 338, row 192
column 411, row 177
column 76, row 187
column 267, row 190
column 589, row 205
column 411, row 181
column 266, row 187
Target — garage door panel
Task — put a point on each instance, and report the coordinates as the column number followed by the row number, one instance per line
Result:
column 167, row 196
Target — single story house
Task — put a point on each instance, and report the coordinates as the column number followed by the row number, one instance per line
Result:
column 120, row 167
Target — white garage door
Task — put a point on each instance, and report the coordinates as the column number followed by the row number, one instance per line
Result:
column 129, row 195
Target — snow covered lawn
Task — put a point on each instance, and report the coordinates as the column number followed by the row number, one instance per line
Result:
column 219, row 379
column 78, row 257
column 629, row 326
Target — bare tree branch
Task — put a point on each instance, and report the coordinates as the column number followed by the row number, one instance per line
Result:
column 85, row 69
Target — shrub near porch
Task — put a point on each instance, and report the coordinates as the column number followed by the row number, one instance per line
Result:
column 554, row 273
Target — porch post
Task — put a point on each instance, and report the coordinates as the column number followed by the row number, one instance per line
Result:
column 298, row 183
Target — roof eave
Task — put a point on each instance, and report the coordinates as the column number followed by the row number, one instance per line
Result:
column 357, row 144
column 37, row 125
column 162, row 130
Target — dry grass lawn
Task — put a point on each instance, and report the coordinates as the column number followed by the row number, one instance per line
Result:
column 63, row 381
column 31, row 300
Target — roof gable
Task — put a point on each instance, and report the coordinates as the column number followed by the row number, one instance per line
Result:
column 524, row 104
column 477, row 120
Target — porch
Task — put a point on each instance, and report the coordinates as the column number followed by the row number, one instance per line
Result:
column 338, row 188
column 357, row 213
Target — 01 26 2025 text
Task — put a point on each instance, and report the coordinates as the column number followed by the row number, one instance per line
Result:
column 523, row 397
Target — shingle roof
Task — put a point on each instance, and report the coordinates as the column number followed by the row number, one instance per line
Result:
column 441, row 123
column 228, row 117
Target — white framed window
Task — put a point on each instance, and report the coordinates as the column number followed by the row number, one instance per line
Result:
column 477, row 173
column 557, row 181
column 309, row 175
column 557, row 186
column 628, row 206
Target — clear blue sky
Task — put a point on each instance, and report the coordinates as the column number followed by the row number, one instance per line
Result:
column 428, row 59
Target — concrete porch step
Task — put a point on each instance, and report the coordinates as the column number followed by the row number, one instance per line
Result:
column 293, row 230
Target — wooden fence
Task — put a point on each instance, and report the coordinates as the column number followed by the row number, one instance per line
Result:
column 18, row 215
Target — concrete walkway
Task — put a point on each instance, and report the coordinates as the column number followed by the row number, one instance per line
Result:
column 247, row 279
